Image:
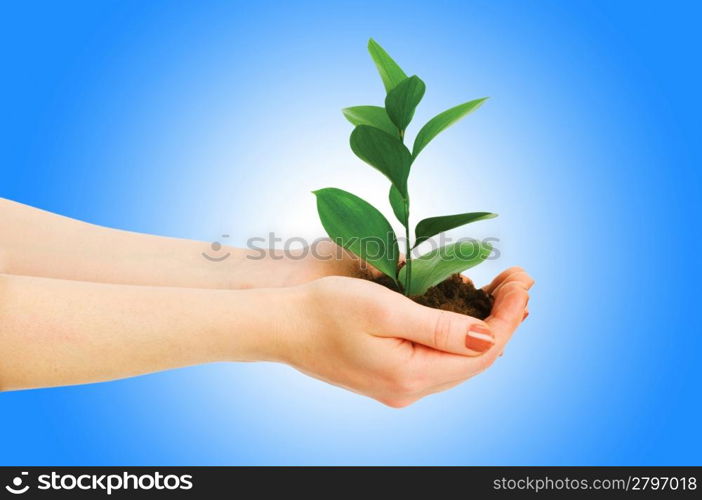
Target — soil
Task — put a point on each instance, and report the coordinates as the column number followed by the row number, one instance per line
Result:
column 452, row 294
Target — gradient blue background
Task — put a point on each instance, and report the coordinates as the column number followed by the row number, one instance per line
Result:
column 193, row 120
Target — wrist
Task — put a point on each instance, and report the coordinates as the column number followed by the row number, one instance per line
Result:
column 253, row 268
column 258, row 324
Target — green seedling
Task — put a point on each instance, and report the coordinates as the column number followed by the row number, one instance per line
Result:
column 379, row 140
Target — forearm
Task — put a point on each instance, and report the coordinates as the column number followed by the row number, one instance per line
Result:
column 59, row 332
column 34, row 242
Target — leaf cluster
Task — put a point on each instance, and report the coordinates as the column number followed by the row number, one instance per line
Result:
column 378, row 138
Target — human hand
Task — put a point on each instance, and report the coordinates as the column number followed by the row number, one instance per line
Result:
column 371, row 340
column 321, row 259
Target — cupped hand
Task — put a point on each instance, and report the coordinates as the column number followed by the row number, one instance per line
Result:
column 359, row 335
column 325, row 258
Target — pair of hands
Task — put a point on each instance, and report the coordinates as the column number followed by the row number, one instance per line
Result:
column 366, row 338
column 106, row 304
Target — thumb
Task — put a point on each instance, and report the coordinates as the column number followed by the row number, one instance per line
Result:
column 441, row 330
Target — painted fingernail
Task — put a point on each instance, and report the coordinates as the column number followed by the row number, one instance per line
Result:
column 526, row 314
column 479, row 338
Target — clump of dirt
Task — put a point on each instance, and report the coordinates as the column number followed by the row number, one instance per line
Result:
column 452, row 294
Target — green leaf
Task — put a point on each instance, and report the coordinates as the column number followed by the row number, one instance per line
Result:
column 384, row 152
column 389, row 71
column 434, row 267
column 401, row 101
column 375, row 116
column 358, row 226
column 397, row 202
column 443, row 121
column 435, row 225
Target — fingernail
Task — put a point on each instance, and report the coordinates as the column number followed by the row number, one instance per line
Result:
column 526, row 314
column 479, row 338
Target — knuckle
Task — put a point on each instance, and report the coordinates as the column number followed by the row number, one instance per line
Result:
column 442, row 330
column 376, row 312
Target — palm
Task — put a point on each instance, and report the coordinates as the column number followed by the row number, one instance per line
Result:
column 391, row 351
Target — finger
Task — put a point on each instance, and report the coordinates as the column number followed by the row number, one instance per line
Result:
column 442, row 370
column 501, row 277
column 507, row 312
column 442, row 330
column 445, row 370
column 520, row 277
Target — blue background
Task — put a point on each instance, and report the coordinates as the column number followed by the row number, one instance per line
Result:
column 195, row 119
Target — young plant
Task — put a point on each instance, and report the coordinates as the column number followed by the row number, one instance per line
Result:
column 378, row 139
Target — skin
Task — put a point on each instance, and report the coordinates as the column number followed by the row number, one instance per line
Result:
column 81, row 303
column 34, row 242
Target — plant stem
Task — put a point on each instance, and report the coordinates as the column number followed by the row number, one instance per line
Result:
column 408, row 249
column 408, row 253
